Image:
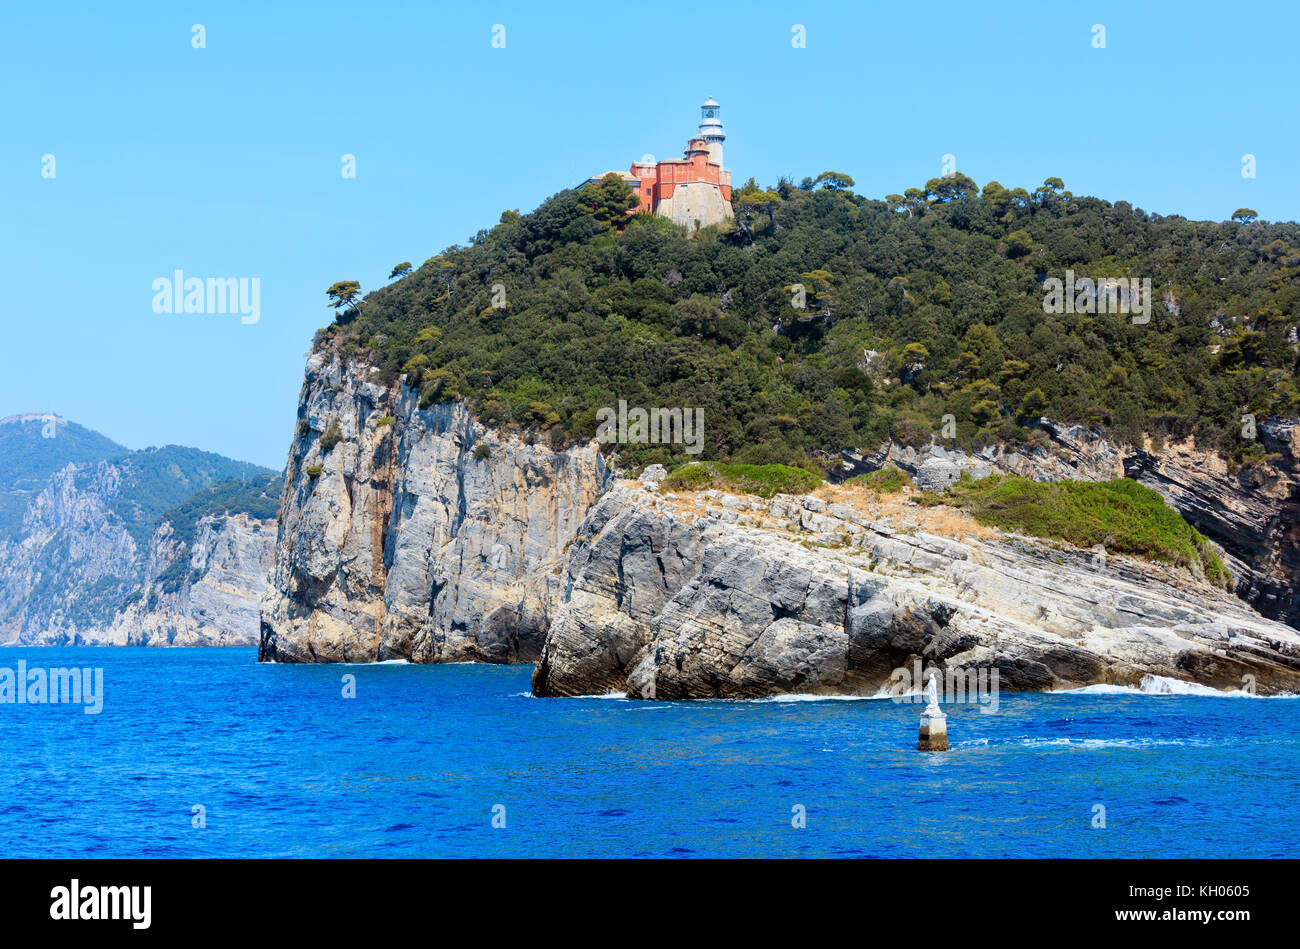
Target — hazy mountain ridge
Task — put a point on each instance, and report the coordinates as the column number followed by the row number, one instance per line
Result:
column 33, row 446
column 114, row 549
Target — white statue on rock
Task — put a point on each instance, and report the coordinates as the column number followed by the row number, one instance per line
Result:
column 934, row 724
column 931, row 694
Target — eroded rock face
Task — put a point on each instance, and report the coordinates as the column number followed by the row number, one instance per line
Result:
column 421, row 534
column 76, row 576
column 1252, row 513
column 229, row 561
column 795, row 595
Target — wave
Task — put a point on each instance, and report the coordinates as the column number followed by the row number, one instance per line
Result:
column 1164, row 685
column 1087, row 744
column 811, row 697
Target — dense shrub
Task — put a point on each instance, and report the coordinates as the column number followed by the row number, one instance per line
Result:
column 763, row 480
column 884, row 481
column 333, row 435
column 1121, row 515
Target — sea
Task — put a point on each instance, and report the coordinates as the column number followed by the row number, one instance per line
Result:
column 207, row 753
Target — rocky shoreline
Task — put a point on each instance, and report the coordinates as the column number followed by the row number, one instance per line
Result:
column 722, row 596
column 421, row 534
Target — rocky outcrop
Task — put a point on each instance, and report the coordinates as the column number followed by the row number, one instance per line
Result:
column 1063, row 452
column 420, row 534
column 670, row 597
column 1253, row 512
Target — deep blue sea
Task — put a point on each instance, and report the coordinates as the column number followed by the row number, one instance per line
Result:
column 418, row 763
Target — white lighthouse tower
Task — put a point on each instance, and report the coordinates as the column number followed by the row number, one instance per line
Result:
column 711, row 130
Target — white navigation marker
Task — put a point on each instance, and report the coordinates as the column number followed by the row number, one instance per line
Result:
column 934, row 724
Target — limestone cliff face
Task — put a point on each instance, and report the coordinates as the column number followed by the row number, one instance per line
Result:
column 70, row 555
column 75, row 575
column 228, row 561
column 1252, row 513
column 672, row 597
column 417, row 534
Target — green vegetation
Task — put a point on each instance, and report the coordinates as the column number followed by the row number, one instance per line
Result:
column 155, row 480
column 926, row 304
column 884, row 481
column 344, row 294
column 1121, row 515
column 482, row 451
column 258, row 497
column 763, row 480
column 385, row 421
column 314, row 471
column 333, row 435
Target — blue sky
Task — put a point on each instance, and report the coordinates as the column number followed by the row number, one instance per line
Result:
column 226, row 161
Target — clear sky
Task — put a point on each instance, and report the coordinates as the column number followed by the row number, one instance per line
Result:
column 226, row 161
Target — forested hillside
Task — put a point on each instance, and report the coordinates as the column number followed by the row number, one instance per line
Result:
column 927, row 304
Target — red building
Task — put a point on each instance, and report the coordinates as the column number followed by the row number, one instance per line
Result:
column 693, row 191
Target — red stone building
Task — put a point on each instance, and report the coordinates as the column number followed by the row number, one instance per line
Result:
column 693, row 191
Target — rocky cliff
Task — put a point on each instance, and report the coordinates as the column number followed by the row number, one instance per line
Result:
column 702, row 595
column 416, row 533
column 76, row 574
column 1253, row 512
column 218, row 601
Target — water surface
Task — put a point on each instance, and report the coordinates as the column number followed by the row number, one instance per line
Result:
column 418, row 763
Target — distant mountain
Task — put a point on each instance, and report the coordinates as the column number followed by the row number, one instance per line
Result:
column 102, row 544
column 33, row 447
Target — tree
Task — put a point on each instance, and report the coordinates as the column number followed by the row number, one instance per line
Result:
column 998, row 198
column 401, row 270
column 1019, row 243
column 818, row 285
column 1244, row 216
column 756, row 202
column 344, row 294
column 612, row 199
column 953, row 188
column 833, row 181
column 1051, row 191
column 1033, row 404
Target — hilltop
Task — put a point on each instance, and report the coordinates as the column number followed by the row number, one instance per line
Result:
column 921, row 309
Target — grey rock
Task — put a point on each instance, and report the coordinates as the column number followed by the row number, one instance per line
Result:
column 656, row 608
column 410, row 546
column 652, row 476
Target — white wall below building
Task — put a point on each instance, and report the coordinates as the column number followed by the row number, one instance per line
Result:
column 695, row 204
